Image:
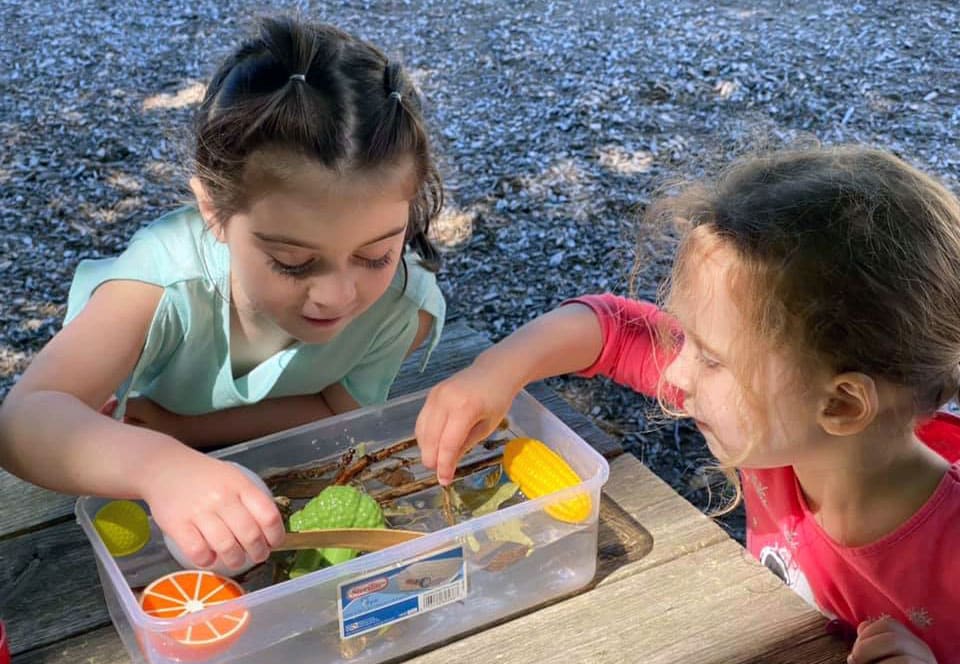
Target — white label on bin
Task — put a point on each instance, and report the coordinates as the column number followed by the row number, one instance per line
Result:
column 397, row 593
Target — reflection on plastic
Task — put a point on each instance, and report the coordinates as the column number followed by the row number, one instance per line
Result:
column 424, row 575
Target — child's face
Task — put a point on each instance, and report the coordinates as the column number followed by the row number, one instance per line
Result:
column 314, row 253
column 771, row 421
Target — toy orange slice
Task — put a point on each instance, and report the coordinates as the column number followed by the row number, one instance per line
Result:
column 190, row 591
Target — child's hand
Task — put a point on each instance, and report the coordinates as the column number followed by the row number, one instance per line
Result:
column 211, row 509
column 890, row 642
column 460, row 412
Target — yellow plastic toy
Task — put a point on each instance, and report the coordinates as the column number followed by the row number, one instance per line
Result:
column 540, row 471
column 123, row 527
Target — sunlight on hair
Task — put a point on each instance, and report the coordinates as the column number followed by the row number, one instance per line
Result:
column 188, row 96
column 614, row 158
column 453, row 228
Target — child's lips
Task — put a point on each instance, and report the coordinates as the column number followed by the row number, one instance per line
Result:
column 323, row 322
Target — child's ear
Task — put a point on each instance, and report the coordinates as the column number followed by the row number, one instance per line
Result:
column 851, row 405
column 207, row 211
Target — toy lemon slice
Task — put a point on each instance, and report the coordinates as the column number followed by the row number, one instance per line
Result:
column 540, row 471
column 123, row 526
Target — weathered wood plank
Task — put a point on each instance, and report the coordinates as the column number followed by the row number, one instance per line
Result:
column 711, row 606
column 100, row 646
column 575, row 420
column 677, row 527
column 596, row 642
column 24, row 506
column 50, row 585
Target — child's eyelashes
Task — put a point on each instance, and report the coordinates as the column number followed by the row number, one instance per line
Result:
column 377, row 263
column 295, row 270
column 312, row 265
column 707, row 361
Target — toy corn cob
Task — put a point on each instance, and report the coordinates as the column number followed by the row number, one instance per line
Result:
column 540, row 471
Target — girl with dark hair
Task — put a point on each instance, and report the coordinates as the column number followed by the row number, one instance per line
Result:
column 292, row 290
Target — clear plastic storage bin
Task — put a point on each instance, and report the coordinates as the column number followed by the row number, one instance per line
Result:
column 304, row 620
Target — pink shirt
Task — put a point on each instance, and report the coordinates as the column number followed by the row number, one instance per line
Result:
column 912, row 574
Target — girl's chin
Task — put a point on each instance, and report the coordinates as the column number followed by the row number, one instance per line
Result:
column 719, row 451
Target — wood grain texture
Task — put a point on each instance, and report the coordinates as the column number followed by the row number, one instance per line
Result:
column 712, row 606
column 99, row 646
column 49, row 585
column 676, row 526
column 24, row 506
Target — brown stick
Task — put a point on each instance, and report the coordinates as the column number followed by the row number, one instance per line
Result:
column 308, row 482
column 310, row 472
column 389, row 451
column 448, row 515
column 406, row 489
column 347, row 474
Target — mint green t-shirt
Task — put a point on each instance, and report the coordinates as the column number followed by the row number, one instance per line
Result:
column 185, row 363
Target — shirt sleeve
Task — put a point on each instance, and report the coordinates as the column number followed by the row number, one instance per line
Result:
column 639, row 341
column 139, row 262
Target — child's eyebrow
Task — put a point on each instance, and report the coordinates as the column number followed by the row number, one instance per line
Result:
column 284, row 239
column 391, row 233
column 705, row 346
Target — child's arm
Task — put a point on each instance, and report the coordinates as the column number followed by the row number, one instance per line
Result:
column 594, row 334
column 52, row 434
column 465, row 408
column 230, row 425
column 887, row 640
column 260, row 419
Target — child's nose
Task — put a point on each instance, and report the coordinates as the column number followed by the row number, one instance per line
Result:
column 335, row 291
column 679, row 373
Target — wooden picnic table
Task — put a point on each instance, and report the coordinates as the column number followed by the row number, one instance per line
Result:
column 671, row 585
